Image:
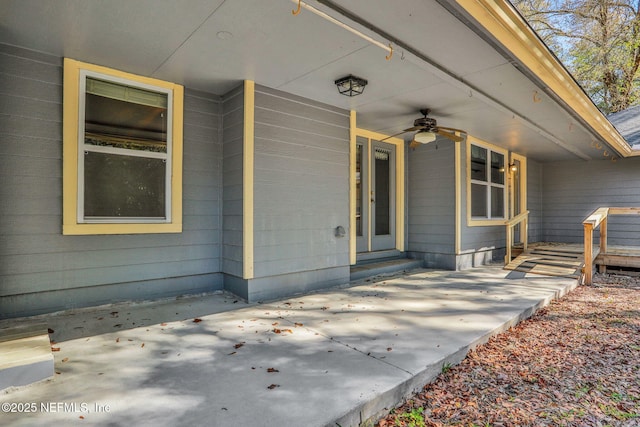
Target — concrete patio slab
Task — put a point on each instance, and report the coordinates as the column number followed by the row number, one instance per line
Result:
column 337, row 357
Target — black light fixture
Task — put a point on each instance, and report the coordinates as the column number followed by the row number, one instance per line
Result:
column 351, row 85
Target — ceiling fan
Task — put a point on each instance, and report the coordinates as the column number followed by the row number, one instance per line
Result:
column 428, row 129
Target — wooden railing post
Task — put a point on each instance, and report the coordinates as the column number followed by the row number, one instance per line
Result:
column 588, row 253
column 507, row 257
column 603, row 243
column 518, row 219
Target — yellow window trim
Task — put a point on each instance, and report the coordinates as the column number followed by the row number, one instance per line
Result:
column 400, row 196
column 71, row 89
column 471, row 222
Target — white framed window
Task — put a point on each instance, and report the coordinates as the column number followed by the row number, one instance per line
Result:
column 122, row 152
column 486, row 184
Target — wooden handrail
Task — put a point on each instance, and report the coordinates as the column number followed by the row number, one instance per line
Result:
column 516, row 219
column 510, row 223
column 599, row 218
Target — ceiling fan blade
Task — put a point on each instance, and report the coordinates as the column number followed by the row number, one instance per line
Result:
column 400, row 133
column 451, row 136
column 413, row 144
column 452, row 129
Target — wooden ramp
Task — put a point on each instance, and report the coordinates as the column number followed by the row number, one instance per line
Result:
column 550, row 259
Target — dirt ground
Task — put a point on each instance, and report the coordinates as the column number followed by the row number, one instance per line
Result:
column 575, row 363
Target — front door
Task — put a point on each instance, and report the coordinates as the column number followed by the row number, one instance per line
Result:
column 375, row 195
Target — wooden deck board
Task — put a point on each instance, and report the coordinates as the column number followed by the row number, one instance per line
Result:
column 550, row 259
column 567, row 260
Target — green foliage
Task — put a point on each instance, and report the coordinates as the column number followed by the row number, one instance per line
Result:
column 597, row 40
column 413, row 418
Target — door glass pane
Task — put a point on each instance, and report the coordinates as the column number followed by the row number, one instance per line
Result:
column 517, row 202
column 123, row 186
column 382, row 191
column 359, row 190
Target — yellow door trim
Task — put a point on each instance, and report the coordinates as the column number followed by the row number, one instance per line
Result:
column 458, row 182
column 352, row 187
column 400, row 187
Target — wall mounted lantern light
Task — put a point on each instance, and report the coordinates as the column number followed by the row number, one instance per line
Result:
column 351, row 85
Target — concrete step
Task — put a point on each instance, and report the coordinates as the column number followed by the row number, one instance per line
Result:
column 369, row 269
column 25, row 355
column 375, row 256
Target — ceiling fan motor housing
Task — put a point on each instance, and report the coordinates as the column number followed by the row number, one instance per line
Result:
column 425, row 122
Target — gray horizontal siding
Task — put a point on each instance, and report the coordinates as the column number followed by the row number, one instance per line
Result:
column 35, row 258
column 301, row 184
column 232, row 221
column 573, row 190
column 534, row 200
column 431, row 198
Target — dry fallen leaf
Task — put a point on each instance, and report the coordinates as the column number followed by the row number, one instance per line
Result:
column 298, row 324
column 197, row 320
column 142, row 345
column 564, row 366
column 238, row 345
column 276, row 330
column 272, row 386
column 66, row 359
column 118, row 339
column 55, row 348
column 272, row 370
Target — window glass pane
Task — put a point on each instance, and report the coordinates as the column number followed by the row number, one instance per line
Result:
column 478, row 163
column 114, row 122
column 123, row 186
column 497, row 168
column 497, row 202
column 382, row 192
column 479, row 200
column 125, row 93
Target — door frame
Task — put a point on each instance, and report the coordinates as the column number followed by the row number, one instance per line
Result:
column 522, row 174
column 354, row 132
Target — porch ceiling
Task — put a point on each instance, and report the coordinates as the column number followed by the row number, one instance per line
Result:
column 212, row 45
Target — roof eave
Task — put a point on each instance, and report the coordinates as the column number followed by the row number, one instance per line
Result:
column 503, row 22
